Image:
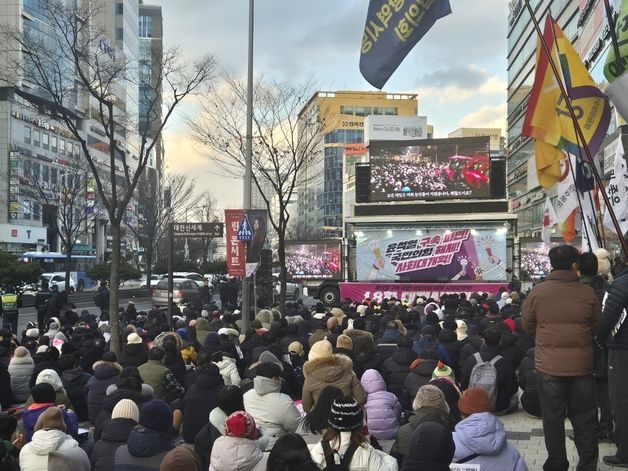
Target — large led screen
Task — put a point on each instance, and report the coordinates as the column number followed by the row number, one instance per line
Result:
column 313, row 260
column 454, row 253
column 432, row 169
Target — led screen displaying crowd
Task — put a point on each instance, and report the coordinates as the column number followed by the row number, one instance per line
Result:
column 313, row 261
column 534, row 260
column 431, row 169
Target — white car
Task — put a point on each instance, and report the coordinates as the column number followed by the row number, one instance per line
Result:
column 154, row 279
column 195, row 277
column 293, row 290
column 58, row 278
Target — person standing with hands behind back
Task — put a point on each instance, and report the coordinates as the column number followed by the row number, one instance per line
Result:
column 563, row 315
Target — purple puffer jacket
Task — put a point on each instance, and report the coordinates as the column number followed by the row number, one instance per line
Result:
column 382, row 407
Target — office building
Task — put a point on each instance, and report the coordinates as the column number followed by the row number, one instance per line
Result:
column 497, row 142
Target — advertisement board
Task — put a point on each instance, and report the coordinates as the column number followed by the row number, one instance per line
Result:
column 409, row 291
column 394, row 128
column 454, row 168
column 318, row 260
column 236, row 250
column 435, row 253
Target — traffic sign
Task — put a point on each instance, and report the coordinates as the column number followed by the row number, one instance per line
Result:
column 197, row 229
column 245, row 231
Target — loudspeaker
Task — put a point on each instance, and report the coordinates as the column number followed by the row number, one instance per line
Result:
column 362, row 183
column 498, row 178
column 265, row 269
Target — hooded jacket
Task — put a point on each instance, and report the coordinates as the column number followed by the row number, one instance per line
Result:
column 484, row 434
column 527, row 382
column 401, row 447
column 229, row 371
column 202, row 329
column 419, row 376
column 396, row 368
column 335, row 370
column 365, row 458
column 144, row 451
column 34, row 455
column 105, row 374
column 115, row 434
column 21, row 369
column 236, row 454
column 382, row 407
column 200, row 398
column 133, row 354
column 271, row 409
column 74, row 382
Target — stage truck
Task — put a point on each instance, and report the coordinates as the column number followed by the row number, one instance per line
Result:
column 431, row 217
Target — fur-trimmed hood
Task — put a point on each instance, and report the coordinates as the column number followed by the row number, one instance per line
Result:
column 328, row 369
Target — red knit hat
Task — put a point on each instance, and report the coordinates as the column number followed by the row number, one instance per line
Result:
column 511, row 324
column 474, row 401
column 240, row 425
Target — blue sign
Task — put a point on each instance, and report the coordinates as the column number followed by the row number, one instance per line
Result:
column 245, row 231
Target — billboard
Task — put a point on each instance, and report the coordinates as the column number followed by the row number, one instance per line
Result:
column 454, row 168
column 394, row 128
column 236, row 250
column 430, row 254
column 535, row 262
column 318, row 260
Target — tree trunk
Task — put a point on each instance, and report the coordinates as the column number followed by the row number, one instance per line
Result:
column 68, row 266
column 281, row 252
column 149, row 267
column 114, row 283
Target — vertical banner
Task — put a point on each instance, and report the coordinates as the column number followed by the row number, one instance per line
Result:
column 259, row 223
column 236, row 250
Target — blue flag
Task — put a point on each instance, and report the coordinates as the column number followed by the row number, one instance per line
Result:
column 392, row 29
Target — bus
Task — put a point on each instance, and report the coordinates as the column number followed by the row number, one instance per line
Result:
column 55, row 262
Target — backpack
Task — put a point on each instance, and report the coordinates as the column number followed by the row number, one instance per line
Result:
column 484, row 375
column 330, row 458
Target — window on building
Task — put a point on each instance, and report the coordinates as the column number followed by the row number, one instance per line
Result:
column 146, row 27
column 45, row 174
column 36, row 211
column 62, row 146
column 53, row 143
column 119, row 8
column 346, row 110
column 119, row 34
column 26, row 209
column 26, row 166
column 53, row 176
column 36, row 137
column 27, row 135
column 36, row 171
column 77, row 150
column 45, row 140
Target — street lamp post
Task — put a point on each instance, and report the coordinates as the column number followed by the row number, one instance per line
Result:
column 246, row 291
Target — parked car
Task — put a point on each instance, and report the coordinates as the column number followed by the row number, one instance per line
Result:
column 293, row 290
column 58, row 278
column 154, row 279
column 184, row 291
column 195, row 277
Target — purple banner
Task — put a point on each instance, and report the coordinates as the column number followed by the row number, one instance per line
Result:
column 408, row 291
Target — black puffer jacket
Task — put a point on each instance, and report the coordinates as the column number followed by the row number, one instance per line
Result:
column 395, row 370
column 527, row 382
column 74, row 381
column 448, row 339
column 616, row 302
column 115, row 434
column 200, row 398
column 133, row 354
column 419, row 376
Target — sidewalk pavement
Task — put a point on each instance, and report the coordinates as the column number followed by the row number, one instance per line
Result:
column 526, row 434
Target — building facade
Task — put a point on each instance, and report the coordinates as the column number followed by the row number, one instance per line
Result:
column 320, row 193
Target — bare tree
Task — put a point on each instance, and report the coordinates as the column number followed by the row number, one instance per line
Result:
column 206, row 210
column 76, row 75
column 162, row 201
column 283, row 144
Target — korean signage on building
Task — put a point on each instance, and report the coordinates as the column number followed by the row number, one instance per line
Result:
column 394, row 128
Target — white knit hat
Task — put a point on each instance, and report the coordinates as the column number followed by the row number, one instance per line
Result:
column 133, row 338
column 321, row 349
column 461, row 330
column 126, row 409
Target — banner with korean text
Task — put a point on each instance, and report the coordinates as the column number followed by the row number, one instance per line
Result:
column 236, row 250
column 409, row 291
column 432, row 253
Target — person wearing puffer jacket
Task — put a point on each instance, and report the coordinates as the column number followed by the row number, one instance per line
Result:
column 61, row 396
column 237, row 450
column 481, row 436
column 124, row 418
column 106, row 372
column 50, row 436
column 134, row 353
column 268, row 406
column 228, row 368
column 21, row 368
column 382, row 407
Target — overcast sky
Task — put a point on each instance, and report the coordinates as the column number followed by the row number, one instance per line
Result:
column 458, row 69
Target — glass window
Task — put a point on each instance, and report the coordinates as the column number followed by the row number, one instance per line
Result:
column 45, row 140
column 53, row 143
column 26, row 166
column 36, row 171
column 119, row 34
column 26, row 209
column 146, row 27
column 27, row 135
column 53, row 176
column 36, row 137
column 62, row 146
column 119, row 8
column 77, row 150
column 45, row 174
column 36, row 211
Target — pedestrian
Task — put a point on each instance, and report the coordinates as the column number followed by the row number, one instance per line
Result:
column 101, row 300
column 9, row 304
column 563, row 315
column 613, row 334
column 205, row 293
column 41, row 304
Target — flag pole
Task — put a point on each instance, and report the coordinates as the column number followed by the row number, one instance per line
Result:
column 577, row 128
column 614, row 40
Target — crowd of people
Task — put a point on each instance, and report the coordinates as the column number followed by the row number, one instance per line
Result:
column 370, row 385
column 304, row 265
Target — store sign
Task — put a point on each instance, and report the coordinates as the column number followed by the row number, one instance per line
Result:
column 18, row 234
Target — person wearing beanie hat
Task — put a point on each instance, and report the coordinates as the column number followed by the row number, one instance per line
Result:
column 431, row 449
column 134, row 353
column 21, row 369
column 295, row 348
column 181, row 458
column 50, row 435
column 443, row 371
column 344, row 432
column 149, row 442
column 238, row 449
column 43, row 398
column 452, row 393
column 429, row 405
column 338, row 314
column 325, row 368
column 344, row 346
column 124, row 417
column 382, row 407
column 474, row 401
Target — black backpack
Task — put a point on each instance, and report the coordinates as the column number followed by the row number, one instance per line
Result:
column 330, row 458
